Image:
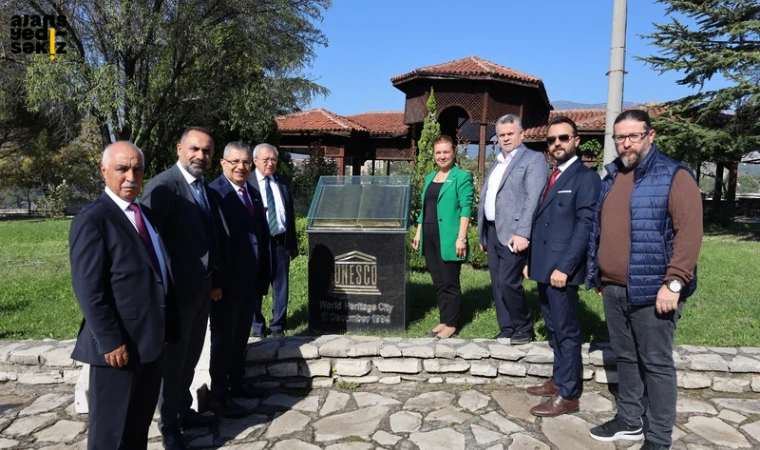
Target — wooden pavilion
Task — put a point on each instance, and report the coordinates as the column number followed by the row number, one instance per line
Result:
column 471, row 94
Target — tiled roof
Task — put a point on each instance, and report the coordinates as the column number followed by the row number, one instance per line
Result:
column 382, row 123
column 317, row 120
column 588, row 119
column 469, row 67
column 389, row 123
column 585, row 119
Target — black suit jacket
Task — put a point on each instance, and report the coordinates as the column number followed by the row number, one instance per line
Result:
column 119, row 292
column 561, row 226
column 196, row 242
column 248, row 239
column 291, row 241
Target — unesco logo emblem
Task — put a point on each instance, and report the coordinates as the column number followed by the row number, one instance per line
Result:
column 37, row 34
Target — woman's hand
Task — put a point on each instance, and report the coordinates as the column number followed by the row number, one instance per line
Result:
column 461, row 249
column 416, row 240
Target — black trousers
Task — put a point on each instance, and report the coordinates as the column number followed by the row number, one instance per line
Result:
column 445, row 276
column 122, row 403
column 230, row 327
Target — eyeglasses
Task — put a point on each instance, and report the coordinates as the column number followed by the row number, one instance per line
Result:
column 247, row 164
column 564, row 138
column 267, row 161
column 634, row 137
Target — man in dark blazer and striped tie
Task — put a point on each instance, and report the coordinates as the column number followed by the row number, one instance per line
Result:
column 281, row 222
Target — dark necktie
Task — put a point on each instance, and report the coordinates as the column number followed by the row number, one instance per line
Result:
column 553, row 178
column 201, row 194
column 145, row 237
column 271, row 209
column 246, row 200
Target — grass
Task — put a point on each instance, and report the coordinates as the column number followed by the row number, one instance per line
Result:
column 36, row 300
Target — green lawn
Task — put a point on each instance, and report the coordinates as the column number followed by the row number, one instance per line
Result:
column 36, row 300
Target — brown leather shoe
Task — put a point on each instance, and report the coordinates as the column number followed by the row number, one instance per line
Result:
column 555, row 406
column 545, row 390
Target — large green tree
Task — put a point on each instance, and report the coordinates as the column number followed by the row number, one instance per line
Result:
column 144, row 70
column 702, row 40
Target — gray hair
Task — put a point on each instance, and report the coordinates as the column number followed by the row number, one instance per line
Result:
column 510, row 118
column 268, row 147
column 107, row 152
column 236, row 145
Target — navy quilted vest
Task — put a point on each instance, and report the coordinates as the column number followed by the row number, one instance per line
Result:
column 651, row 228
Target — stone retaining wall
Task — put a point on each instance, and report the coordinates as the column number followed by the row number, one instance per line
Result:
column 298, row 362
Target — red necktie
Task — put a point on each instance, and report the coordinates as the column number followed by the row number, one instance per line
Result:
column 246, row 200
column 143, row 231
column 553, row 178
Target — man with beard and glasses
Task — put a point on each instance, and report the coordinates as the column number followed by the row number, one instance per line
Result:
column 557, row 261
column 188, row 218
column 642, row 259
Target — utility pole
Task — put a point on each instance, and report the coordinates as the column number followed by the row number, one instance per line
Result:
column 616, row 74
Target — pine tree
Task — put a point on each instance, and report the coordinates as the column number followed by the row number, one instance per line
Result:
column 712, row 38
column 424, row 164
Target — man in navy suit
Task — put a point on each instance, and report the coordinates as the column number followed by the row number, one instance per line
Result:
column 247, row 280
column 120, row 279
column 281, row 223
column 556, row 260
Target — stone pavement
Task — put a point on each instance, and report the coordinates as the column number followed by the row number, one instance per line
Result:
column 404, row 415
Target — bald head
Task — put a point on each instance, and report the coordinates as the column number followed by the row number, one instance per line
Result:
column 123, row 168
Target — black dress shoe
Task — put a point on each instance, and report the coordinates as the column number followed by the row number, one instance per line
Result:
column 520, row 339
column 191, row 419
column 277, row 333
column 245, row 391
column 229, row 409
column 503, row 335
column 174, row 441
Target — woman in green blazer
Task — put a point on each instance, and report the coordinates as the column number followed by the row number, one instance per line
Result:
column 442, row 232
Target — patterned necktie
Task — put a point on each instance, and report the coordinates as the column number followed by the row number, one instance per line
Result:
column 271, row 209
column 553, row 178
column 201, row 194
column 145, row 237
column 246, row 200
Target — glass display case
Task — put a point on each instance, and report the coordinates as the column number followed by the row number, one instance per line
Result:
column 361, row 202
column 357, row 227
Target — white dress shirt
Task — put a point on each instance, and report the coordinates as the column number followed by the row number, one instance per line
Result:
column 494, row 181
column 279, row 205
column 124, row 206
column 564, row 166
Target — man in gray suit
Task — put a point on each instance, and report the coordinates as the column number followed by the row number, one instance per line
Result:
column 187, row 216
column 509, row 196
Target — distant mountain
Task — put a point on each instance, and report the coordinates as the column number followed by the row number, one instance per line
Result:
column 564, row 104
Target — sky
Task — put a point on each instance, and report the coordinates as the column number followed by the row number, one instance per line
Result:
column 566, row 43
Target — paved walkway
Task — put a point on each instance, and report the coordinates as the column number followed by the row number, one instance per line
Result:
column 404, row 416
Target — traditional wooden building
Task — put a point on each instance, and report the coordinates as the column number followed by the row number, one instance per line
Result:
column 471, row 94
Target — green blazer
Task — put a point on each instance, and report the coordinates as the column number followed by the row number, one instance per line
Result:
column 454, row 201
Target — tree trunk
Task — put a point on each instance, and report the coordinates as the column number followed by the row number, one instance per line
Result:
column 718, row 191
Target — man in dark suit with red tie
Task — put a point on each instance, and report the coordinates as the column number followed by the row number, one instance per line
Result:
column 556, row 260
column 120, row 279
column 247, row 280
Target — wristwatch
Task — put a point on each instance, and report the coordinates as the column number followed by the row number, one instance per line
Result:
column 462, row 240
column 674, row 286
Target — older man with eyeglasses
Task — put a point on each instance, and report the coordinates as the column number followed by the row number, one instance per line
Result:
column 246, row 283
column 642, row 258
column 283, row 244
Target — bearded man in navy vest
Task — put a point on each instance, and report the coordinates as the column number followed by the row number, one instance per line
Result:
column 642, row 258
